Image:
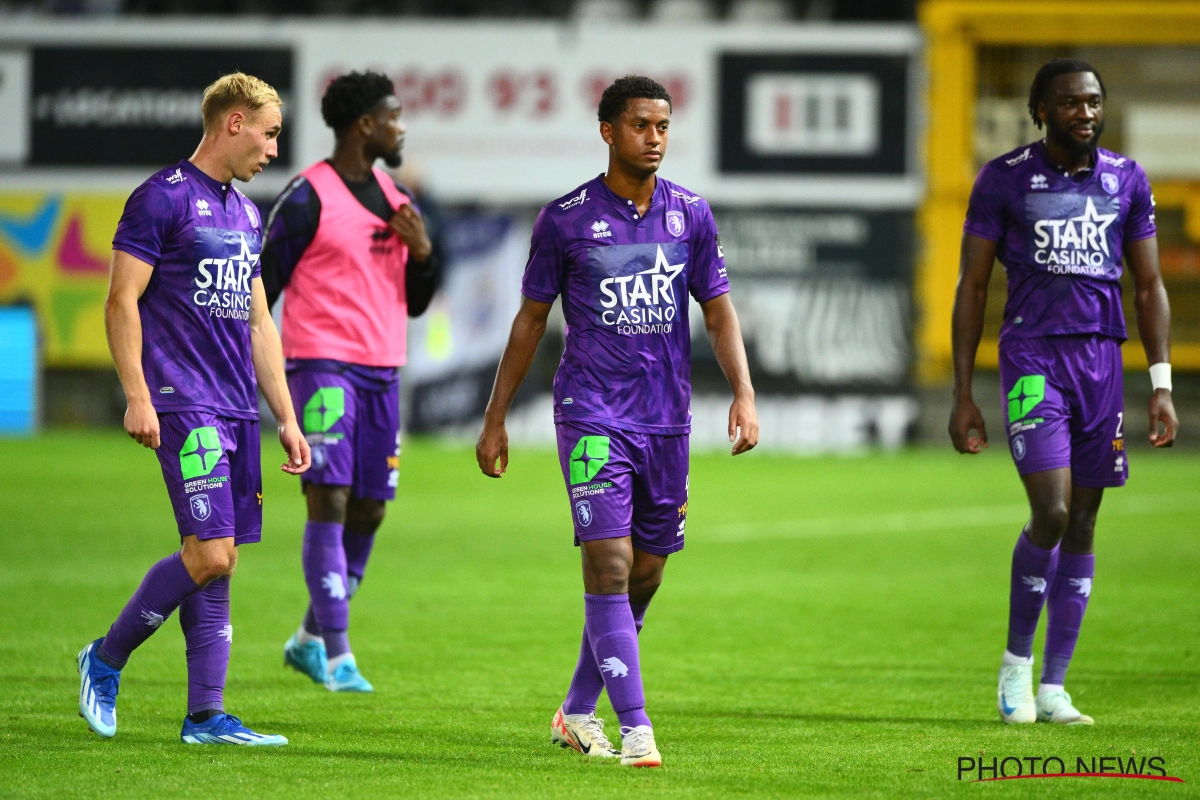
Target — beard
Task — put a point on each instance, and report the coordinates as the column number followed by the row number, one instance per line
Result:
column 393, row 159
column 1063, row 138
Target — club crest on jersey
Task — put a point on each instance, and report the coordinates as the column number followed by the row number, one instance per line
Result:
column 675, row 222
column 635, row 297
column 1069, row 243
column 1110, row 183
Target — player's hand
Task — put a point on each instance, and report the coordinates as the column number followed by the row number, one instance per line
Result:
column 141, row 423
column 492, row 446
column 296, row 447
column 409, row 225
column 964, row 418
column 1162, row 410
column 743, row 425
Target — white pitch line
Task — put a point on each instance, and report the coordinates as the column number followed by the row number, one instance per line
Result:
column 936, row 520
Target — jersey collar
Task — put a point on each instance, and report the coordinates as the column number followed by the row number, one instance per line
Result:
column 624, row 205
column 216, row 187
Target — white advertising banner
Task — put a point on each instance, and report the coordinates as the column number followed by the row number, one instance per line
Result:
column 505, row 112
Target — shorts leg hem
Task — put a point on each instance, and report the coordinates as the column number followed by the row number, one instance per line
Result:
column 216, row 533
column 1033, row 470
column 657, row 550
column 594, row 536
column 1097, row 483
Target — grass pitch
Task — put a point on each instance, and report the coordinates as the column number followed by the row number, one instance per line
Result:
column 832, row 629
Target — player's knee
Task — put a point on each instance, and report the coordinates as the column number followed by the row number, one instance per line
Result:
column 364, row 515
column 206, row 564
column 327, row 503
column 610, row 576
column 1051, row 519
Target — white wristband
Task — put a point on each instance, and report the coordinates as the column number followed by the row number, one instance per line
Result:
column 1160, row 376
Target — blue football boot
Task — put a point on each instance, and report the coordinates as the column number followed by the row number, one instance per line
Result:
column 98, row 686
column 226, row 729
column 307, row 658
column 345, row 677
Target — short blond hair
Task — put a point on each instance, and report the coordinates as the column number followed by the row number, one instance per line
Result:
column 236, row 90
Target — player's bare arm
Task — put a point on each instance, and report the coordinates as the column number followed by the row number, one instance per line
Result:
column 970, row 301
column 1154, row 326
column 725, row 333
column 527, row 331
column 267, row 353
column 128, row 277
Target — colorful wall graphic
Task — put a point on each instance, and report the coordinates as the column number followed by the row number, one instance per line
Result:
column 54, row 254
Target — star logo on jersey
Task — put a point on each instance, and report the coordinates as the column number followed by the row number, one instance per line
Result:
column 640, row 300
column 202, row 208
column 1073, row 244
column 600, row 228
column 222, row 283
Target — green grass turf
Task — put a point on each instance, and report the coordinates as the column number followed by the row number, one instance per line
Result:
column 833, row 629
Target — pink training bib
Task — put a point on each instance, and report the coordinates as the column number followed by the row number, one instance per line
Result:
column 346, row 298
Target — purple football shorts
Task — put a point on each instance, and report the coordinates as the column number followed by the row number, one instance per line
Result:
column 213, row 469
column 625, row 484
column 1063, row 398
column 354, row 432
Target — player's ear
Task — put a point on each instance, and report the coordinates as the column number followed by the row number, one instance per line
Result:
column 606, row 132
column 234, row 122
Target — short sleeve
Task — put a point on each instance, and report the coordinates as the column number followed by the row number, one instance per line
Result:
column 706, row 275
column 544, row 270
column 147, row 223
column 256, row 220
column 985, row 212
column 1139, row 223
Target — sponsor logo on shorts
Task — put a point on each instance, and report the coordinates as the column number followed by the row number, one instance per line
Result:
column 1018, row 447
column 589, row 489
column 201, row 507
column 200, row 453
column 324, row 409
column 1025, row 425
column 1026, row 393
column 212, row 482
column 588, row 458
column 583, row 511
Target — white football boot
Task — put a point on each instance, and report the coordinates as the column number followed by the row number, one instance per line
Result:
column 637, row 747
column 1014, row 696
column 583, row 733
column 1055, row 706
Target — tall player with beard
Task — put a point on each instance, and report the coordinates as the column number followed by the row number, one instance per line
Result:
column 351, row 249
column 1059, row 214
column 190, row 331
column 623, row 251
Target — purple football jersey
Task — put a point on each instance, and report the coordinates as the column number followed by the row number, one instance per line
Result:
column 1060, row 238
column 203, row 239
column 624, row 280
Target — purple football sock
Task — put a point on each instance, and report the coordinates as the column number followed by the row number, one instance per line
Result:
column 357, row 547
column 1069, row 593
column 358, row 550
column 325, row 574
column 613, row 635
column 587, row 682
column 166, row 585
column 204, row 617
column 1032, row 573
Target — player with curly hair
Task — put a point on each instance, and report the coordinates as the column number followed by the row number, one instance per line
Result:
column 352, row 251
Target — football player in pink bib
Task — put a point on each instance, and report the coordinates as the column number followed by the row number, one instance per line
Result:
column 351, row 249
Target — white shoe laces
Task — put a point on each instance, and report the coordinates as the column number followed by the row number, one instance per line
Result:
column 594, row 727
column 1017, row 684
column 636, row 740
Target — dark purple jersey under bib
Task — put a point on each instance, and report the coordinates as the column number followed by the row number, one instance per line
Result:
column 624, row 280
column 1061, row 238
column 203, row 239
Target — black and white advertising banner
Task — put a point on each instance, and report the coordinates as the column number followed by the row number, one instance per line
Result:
column 135, row 105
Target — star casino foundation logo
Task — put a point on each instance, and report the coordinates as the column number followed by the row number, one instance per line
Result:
column 200, row 453
column 643, row 302
column 324, row 409
column 588, row 457
column 1074, row 246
